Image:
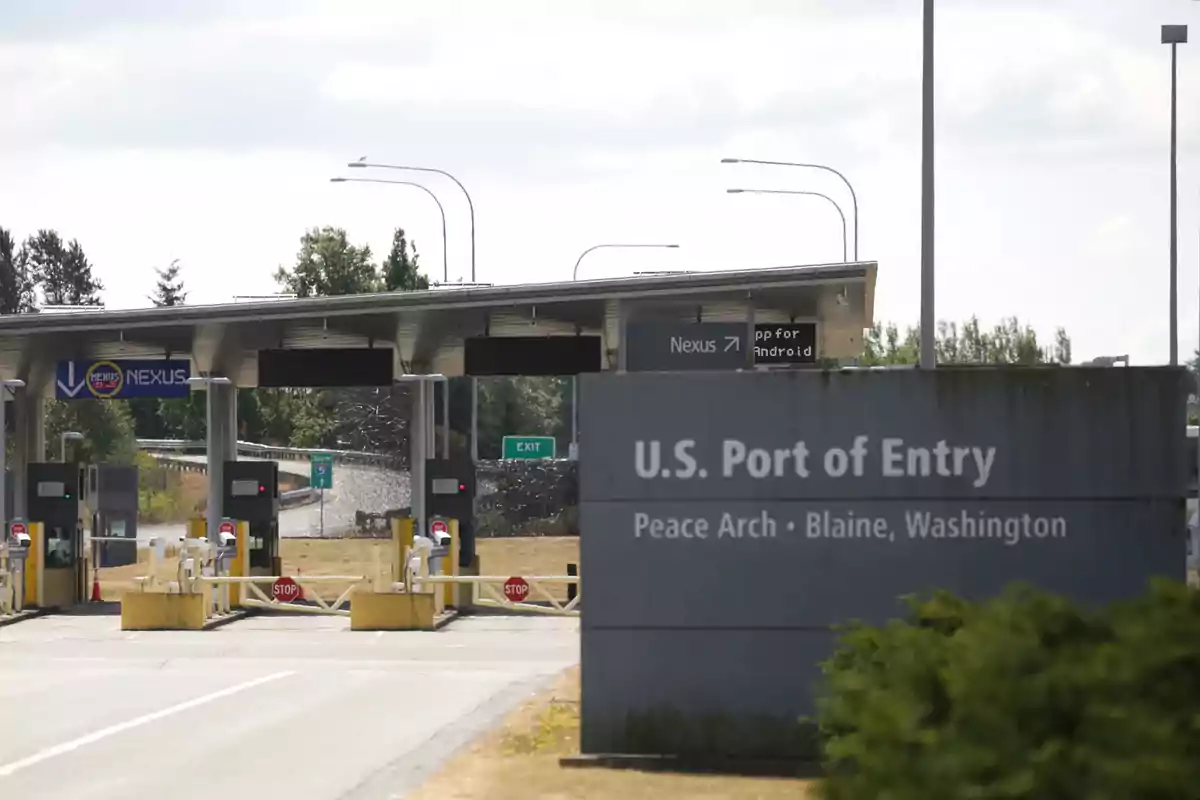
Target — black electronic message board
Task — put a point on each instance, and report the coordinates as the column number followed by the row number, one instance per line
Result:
column 325, row 367
column 531, row 355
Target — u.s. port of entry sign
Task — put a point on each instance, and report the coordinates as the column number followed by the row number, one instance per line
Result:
column 729, row 521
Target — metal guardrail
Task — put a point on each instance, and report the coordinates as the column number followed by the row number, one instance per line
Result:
column 267, row 450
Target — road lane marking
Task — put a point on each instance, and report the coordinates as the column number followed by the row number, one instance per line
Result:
column 103, row 733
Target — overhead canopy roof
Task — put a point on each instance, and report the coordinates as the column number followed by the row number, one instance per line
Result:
column 427, row 328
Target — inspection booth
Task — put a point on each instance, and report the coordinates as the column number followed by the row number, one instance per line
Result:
column 251, row 496
column 450, row 493
column 55, row 567
column 111, row 492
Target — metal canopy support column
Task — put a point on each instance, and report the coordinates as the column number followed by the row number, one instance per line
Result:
column 750, row 325
column 29, row 445
column 445, row 419
column 221, row 445
column 622, row 326
column 431, row 418
column 418, row 438
column 474, row 420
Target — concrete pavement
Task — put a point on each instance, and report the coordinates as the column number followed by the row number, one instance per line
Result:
column 281, row 706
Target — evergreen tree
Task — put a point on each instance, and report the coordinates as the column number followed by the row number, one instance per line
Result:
column 62, row 271
column 401, row 272
column 82, row 286
column 16, row 284
column 168, row 290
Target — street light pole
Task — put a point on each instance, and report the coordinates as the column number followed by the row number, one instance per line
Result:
column 593, row 248
column 1174, row 35
column 575, row 378
column 823, row 167
column 797, row 192
column 6, row 387
column 928, row 283
column 426, row 190
column 363, row 164
column 470, row 204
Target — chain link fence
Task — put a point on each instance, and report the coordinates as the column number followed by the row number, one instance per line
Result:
column 527, row 498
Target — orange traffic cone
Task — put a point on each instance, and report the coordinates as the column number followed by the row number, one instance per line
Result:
column 95, row 588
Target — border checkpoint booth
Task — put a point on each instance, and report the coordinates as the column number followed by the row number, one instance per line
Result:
column 251, row 500
column 56, row 566
column 111, row 492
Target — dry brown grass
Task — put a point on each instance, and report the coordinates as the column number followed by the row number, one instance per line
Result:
column 517, row 556
column 193, row 494
column 520, row 759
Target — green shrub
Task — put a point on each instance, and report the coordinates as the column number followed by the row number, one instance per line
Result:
column 1025, row 696
column 155, row 506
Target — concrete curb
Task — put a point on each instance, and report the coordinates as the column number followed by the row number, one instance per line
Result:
column 766, row 768
column 21, row 616
column 445, row 619
column 219, row 622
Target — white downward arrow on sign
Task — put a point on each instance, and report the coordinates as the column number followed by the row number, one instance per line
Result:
column 70, row 389
column 732, row 343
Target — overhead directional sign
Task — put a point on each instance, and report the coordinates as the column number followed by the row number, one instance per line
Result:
column 666, row 346
column 121, row 379
column 320, row 475
column 527, row 447
column 785, row 343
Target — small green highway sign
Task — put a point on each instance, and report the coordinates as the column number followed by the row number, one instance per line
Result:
column 515, row 447
column 320, row 471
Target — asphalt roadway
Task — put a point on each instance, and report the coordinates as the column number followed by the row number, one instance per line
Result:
column 354, row 488
column 272, row 706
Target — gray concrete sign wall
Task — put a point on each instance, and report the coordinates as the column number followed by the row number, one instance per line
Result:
column 730, row 519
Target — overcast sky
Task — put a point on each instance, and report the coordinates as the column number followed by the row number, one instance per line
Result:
column 154, row 130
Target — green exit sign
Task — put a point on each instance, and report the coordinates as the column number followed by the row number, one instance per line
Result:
column 527, row 447
column 320, row 471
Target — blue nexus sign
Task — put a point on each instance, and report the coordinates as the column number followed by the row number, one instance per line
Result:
column 121, row 379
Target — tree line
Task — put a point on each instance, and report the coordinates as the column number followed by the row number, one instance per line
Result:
column 45, row 271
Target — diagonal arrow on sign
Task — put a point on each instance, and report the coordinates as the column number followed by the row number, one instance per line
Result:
column 732, row 343
column 70, row 388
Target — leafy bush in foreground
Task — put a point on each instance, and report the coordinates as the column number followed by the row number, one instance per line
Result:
column 1025, row 696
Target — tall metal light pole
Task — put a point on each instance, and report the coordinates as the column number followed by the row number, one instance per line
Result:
column 470, row 204
column 798, row 192
column 823, row 167
column 426, row 190
column 6, row 387
column 928, row 314
column 574, row 378
column 1174, row 35
column 362, row 163
column 593, row 248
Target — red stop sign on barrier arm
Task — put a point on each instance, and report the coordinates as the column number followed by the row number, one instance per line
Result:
column 516, row 589
column 285, row 590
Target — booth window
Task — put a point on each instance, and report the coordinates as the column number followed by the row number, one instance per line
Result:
column 60, row 546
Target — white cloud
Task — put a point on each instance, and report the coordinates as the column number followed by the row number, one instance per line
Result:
column 167, row 132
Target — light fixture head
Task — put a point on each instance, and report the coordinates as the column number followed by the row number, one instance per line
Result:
column 1174, row 34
